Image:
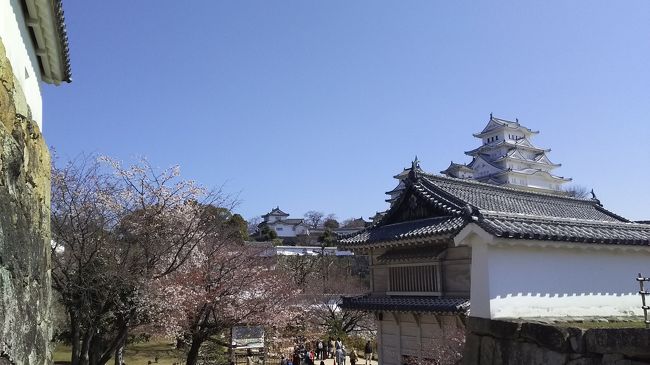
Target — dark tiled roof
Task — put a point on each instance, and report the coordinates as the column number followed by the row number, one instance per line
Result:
column 422, row 228
column 276, row 211
column 502, row 211
column 406, row 303
column 487, row 197
column 63, row 39
column 571, row 230
column 412, row 253
column 292, row 221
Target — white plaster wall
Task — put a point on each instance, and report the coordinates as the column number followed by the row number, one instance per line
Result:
column 483, row 168
column 283, row 230
column 480, row 284
column 556, row 282
column 301, row 230
column 20, row 52
column 540, row 181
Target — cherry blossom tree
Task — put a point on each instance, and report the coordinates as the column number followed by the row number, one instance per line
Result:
column 117, row 230
column 325, row 290
column 226, row 282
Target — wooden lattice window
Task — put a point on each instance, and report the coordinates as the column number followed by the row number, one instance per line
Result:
column 414, row 280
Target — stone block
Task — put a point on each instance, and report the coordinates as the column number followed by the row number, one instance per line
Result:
column 612, row 359
column 577, row 340
column 493, row 327
column 532, row 354
column 548, row 336
column 472, row 350
column 631, row 342
column 584, row 361
column 487, row 351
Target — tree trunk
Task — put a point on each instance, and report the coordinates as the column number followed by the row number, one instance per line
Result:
column 193, row 353
column 119, row 354
column 111, row 348
column 84, row 358
column 76, row 345
column 119, row 351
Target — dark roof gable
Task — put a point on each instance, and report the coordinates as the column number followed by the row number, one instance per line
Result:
column 437, row 207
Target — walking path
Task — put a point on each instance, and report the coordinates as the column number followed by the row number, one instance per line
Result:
column 361, row 361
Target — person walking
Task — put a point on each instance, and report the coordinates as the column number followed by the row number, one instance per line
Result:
column 339, row 358
column 320, row 350
column 353, row 357
column 330, row 348
column 367, row 353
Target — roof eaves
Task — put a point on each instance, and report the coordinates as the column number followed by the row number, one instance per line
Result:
column 469, row 182
column 46, row 22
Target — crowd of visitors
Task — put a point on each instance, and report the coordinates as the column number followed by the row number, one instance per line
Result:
column 307, row 353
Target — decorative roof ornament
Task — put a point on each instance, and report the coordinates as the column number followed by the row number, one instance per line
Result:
column 415, row 167
column 593, row 197
column 470, row 212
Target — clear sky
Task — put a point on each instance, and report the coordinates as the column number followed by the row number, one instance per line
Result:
column 315, row 105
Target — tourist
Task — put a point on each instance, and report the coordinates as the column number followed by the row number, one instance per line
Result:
column 367, row 353
column 330, row 348
column 338, row 343
column 353, row 357
column 339, row 356
column 320, row 350
column 283, row 360
column 296, row 358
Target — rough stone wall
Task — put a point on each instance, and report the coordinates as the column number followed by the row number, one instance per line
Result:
column 24, row 229
column 504, row 342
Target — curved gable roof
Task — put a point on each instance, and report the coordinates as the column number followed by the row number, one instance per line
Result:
column 488, row 197
column 502, row 211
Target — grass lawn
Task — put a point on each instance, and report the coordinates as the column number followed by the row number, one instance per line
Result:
column 136, row 354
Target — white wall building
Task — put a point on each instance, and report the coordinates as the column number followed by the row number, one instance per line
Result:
column 285, row 227
column 449, row 248
column 36, row 44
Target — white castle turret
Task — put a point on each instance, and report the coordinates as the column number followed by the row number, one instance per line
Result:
column 507, row 157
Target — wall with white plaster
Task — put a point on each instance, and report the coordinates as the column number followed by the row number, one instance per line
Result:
column 20, row 52
column 554, row 282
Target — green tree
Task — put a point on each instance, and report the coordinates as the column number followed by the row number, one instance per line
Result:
column 267, row 234
column 238, row 223
column 328, row 238
column 331, row 223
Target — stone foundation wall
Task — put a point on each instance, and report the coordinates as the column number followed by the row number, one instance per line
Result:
column 24, row 229
column 505, row 342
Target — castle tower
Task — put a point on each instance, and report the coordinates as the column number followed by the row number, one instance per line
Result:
column 508, row 157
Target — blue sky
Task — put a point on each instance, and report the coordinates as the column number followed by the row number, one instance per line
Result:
column 315, row 105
